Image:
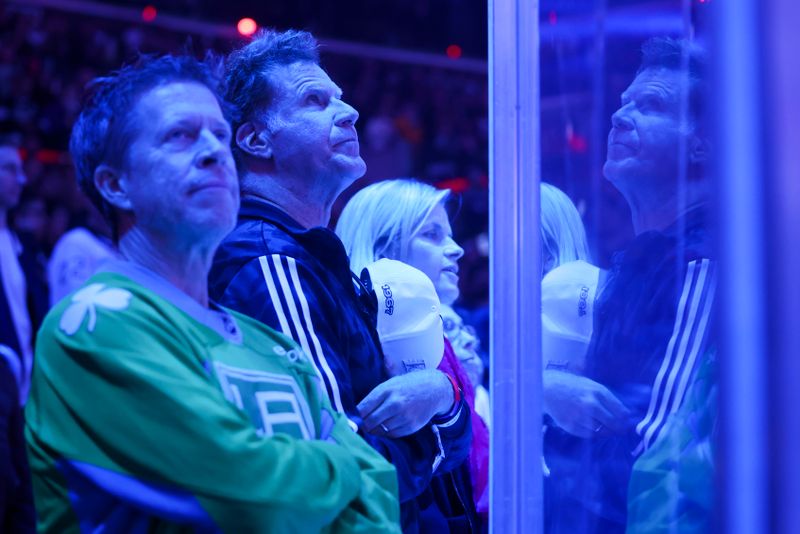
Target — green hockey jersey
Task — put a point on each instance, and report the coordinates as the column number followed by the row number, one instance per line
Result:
column 672, row 484
column 151, row 413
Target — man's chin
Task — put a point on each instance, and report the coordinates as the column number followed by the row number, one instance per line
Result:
column 352, row 171
column 612, row 172
column 359, row 169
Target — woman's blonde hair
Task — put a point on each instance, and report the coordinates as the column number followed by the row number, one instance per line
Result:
column 380, row 220
column 563, row 234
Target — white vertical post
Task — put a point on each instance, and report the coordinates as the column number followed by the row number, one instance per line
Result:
column 515, row 263
column 782, row 137
column 740, row 195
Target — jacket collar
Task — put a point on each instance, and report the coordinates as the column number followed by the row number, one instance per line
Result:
column 255, row 208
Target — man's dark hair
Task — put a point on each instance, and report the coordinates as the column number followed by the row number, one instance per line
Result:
column 684, row 56
column 248, row 71
column 104, row 130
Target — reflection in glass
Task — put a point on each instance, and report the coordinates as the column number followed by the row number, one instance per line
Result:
column 628, row 351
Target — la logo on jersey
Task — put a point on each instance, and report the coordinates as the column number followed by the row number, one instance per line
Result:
column 273, row 402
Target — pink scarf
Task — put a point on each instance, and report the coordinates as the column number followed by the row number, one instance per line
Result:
column 479, row 449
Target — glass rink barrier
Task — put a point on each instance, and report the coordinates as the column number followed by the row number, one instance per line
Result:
column 640, row 182
column 619, row 291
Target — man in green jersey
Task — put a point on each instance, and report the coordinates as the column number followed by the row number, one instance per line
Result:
column 153, row 409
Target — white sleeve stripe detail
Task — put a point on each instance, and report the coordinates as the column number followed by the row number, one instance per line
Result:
column 276, row 302
column 684, row 340
column 273, row 295
column 701, row 322
column 290, row 304
column 326, row 369
column 665, row 365
column 697, row 345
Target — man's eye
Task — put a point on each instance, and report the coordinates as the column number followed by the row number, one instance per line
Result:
column 222, row 135
column 314, row 98
column 650, row 103
column 177, row 135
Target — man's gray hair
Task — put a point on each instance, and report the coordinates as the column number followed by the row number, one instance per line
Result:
column 685, row 56
column 248, row 71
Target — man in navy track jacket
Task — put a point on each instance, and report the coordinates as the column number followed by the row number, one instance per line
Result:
column 297, row 150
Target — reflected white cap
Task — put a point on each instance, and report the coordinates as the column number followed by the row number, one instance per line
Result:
column 409, row 321
column 568, row 294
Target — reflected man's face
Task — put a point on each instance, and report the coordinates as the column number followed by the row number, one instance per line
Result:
column 647, row 132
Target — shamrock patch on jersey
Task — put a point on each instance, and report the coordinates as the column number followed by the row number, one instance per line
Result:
column 86, row 301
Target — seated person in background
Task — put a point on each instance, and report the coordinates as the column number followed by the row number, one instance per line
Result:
column 406, row 220
column 23, row 290
column 152, row 408
column 466, row 343
column 77, row 255
column 16, row 323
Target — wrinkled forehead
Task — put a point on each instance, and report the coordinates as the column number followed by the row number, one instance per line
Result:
column 669, row 83
column 170, row 103
column 174, row 99
column 289, row 81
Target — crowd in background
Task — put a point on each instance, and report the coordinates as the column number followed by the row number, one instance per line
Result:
column 414, row 121
column 432, row 124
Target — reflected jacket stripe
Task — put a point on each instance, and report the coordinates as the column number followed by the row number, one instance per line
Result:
column 685, row 344
column 291, row 307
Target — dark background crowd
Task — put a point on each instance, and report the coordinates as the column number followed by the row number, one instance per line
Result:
column 423, row 97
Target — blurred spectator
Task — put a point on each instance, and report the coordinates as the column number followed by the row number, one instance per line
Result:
column 78, row 253
column 23, row 292
column 21, row 310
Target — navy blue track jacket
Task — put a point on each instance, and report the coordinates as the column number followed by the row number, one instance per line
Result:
column 653, row 321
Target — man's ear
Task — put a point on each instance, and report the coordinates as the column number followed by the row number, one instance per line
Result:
column 699, row 149
column 254, row 140
column 112, row 186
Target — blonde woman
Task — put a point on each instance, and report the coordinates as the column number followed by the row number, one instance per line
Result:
column 406, row 220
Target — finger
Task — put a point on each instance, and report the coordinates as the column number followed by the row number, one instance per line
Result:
column 580, row 423
column 399, row 426
column 613, row 404
column 373, row 400
column 381, row 414
column 619, row 415
column 581, row 429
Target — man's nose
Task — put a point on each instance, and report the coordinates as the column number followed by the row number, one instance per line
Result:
column 346, row 115
column 621, row 120
column 213, row 151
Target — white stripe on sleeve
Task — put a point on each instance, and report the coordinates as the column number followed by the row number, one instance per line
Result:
column 666, row 363
column 337, row 398
column 701, row 320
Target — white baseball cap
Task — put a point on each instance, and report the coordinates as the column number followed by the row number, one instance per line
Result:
column 568, row 294
column 409, row 321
